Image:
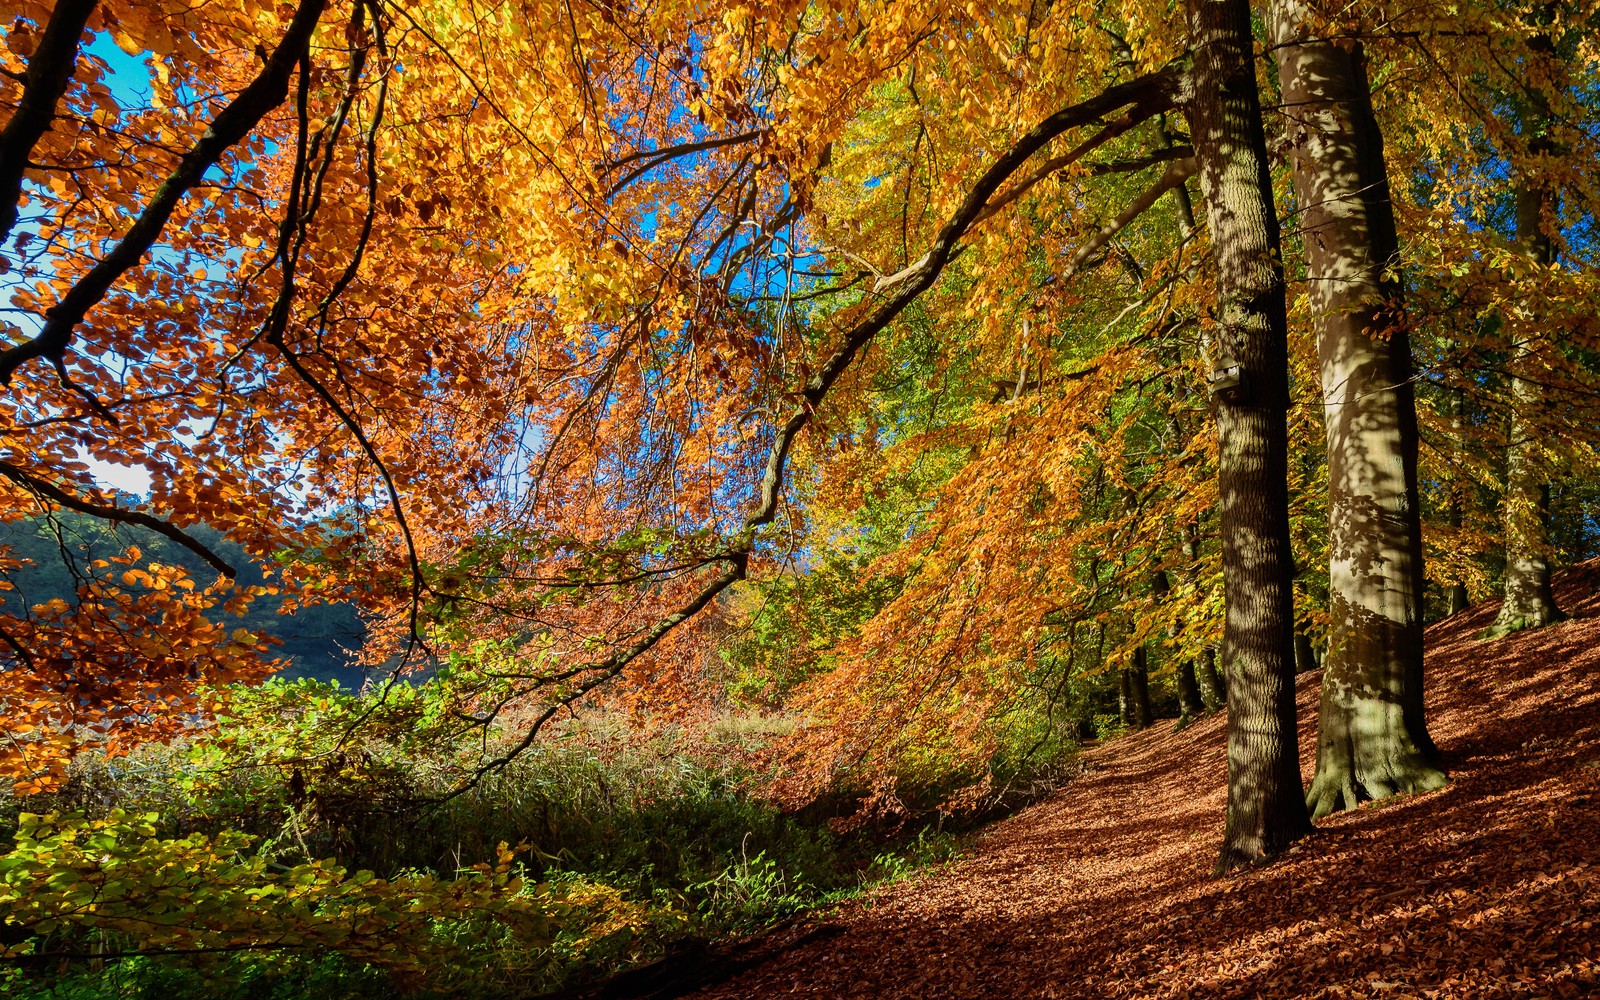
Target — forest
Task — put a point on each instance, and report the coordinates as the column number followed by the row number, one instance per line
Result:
column 664, row 498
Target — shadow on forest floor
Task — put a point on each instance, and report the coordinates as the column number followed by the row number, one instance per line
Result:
column 1487, row 888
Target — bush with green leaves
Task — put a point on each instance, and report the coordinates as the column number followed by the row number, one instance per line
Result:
column 286, row 853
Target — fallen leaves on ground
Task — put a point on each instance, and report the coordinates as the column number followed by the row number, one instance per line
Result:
column 1485, row 889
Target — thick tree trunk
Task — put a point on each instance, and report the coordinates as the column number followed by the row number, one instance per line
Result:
column 1266, row 809
column 1529, row 602
column 1213, row 690
column 1371, row 738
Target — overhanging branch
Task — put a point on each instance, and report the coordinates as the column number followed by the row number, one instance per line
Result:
column 233, row 123
column 50, row 69
column 56, row 495
column 1149, row 94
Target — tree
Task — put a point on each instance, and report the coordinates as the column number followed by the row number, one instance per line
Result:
column 1372, row 740
column 123, row 661
column 1528, row 600
column 1266, row 811
column 1134, row 681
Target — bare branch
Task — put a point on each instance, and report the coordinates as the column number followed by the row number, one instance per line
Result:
column 1176, row 173
column 656, row 157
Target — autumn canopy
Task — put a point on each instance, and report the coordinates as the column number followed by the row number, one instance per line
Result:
column 930, row 386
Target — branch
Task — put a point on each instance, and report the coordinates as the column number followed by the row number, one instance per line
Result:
column 57, row 495
column 1150, row 94
column 50, row 69
column 656, row 157
column 1141, row 112
column 233, row 123
column 1176, row 173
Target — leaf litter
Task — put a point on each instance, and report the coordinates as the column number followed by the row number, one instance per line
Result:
column 1487, row 888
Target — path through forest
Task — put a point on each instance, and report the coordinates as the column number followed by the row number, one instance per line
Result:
column 1488, row 888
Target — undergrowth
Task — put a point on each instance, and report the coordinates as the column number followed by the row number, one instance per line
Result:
column 603, row 847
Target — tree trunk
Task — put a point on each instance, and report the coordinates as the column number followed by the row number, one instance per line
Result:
column 1456, row 598
column 1213, row 690
column 1305, row 658
column 1125, row 697
column 1139, row 689
column 1190, row 705
column 1529, row 602
column 1372, row 740
column 1266, row 809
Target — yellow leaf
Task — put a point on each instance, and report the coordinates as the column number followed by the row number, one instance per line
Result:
column 126, row 43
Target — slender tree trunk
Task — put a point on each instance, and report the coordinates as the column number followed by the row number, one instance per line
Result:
column 1372, row 741
column 1305, row 658
column 1213, row 692
column 1266, row 809
column 1190, row 705
column 1529, row 602
column 1456, row 597
column 1125, row 697
column 1213, row 689
column 1139, row 689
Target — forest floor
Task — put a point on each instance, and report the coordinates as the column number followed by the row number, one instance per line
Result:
column 1487, row 888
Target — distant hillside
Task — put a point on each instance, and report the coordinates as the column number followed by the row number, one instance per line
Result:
column 321, row 641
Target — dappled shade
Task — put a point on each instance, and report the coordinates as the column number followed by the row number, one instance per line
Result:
column 1482, row 889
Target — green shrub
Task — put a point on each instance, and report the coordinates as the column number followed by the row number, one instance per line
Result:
column 629, row 839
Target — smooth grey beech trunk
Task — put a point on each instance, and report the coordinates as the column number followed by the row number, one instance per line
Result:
column 1266, row 808
column 1529, row 601
column 1372, row 739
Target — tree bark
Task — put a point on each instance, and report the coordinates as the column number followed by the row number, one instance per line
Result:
column 1372, row 740
column 49, row 72
column 1456, row 597
column 1266, row 809
column 1213, row 690
column 1190, row 705
column 1138, row 679
column 1305, row 657
column 1125, row 698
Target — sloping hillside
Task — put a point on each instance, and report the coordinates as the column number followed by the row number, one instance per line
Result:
column 1488, row 888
